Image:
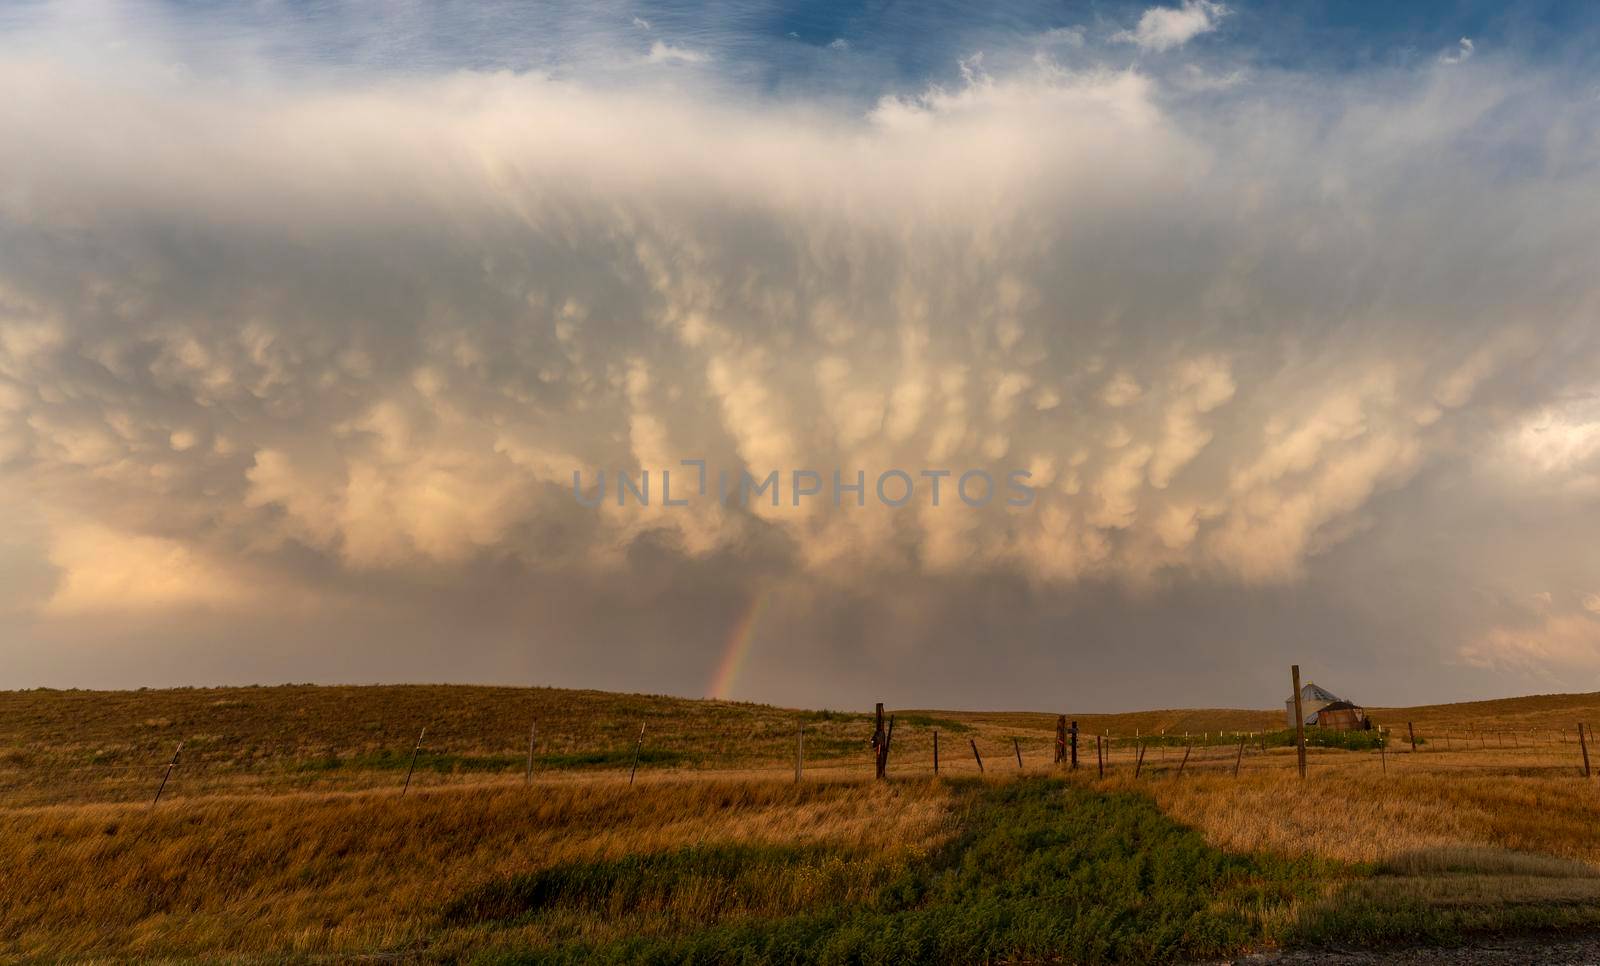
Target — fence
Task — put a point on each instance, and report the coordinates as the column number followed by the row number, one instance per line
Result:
column 1399, row 745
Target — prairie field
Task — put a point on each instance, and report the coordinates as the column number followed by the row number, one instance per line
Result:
column 307, row 824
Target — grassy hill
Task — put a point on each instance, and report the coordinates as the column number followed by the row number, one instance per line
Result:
column 1535, row 711
column 284, row 834
column 106, row 745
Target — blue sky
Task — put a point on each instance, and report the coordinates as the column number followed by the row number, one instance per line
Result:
column 838, row 49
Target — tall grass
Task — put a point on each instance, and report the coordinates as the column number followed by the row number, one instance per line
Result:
column 360, row 874
column 283, row 835
column 1042, row 869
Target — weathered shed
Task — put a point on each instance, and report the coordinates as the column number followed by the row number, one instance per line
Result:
column 1342, row 716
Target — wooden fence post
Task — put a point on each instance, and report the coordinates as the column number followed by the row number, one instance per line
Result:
column 976, row 757
column 414, row 752
column 1412, row 731
column 167, row 774
column 1017, row 747
column 878, row 741
column 1239, row 760
column 638, row 746
column 527, row 777
column 1074, row 746
column 1186, row 749
column 799, row 752
column 1299, row 722
column 1139, row 765
column 1099, row 756
column 1583, row 743
column 936, row 751
column 1383, row 755
column 1061, row 738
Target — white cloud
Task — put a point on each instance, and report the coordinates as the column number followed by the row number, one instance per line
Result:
column 664, row 53
column 1163, row 28
column 1196, row 78
column 1463, row 52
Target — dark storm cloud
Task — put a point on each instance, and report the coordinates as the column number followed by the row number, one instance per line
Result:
column 316, row 361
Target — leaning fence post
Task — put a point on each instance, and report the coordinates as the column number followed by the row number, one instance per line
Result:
column 1099, row 756
column 1017, row 746
column 1413, row 733
column 417, row 749
column 1185, row 761
column 975, row 756
column 638, row 746
column 1239, row 759
column 167, row 774
column 1138, row 766
column 1583, row 743
column 936, row 751
column 799, row 752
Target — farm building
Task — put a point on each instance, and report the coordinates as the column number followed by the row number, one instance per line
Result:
column 1322, row 707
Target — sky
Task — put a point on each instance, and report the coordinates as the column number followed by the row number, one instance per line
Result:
column 1283, row 317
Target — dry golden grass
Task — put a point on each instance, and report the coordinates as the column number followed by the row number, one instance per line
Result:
column 75, row 746
column 70, row 746
column 347, row 874
column 1351, row 810
column 1541, row 712
column 283, row 832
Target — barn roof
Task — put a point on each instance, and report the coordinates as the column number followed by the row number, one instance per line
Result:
column 1314, row 692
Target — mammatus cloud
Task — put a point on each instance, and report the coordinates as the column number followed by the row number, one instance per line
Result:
column 1163, row 28
column 337, row 347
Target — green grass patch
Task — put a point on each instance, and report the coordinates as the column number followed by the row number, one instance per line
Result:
column 1445, row 910
column 388, row 760
column 724, row 880
column 929, row 721
column 429, row 761
column 615, row 758
column 1041, row 870
column 1321, row 738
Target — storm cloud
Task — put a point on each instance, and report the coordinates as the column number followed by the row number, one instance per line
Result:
column 296, row 370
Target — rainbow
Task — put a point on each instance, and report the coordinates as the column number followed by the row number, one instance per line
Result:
column 738, row 649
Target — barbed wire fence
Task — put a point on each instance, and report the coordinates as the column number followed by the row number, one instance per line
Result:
column 1164, row 754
